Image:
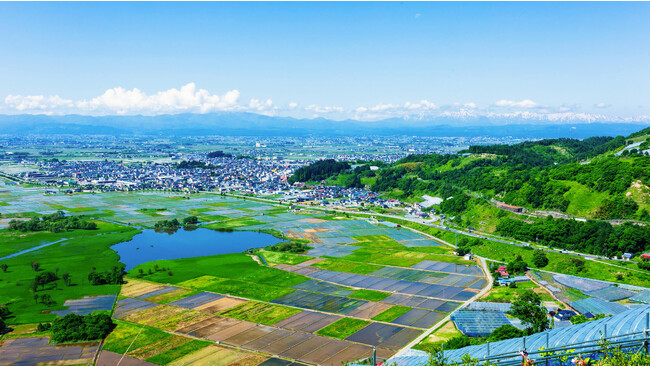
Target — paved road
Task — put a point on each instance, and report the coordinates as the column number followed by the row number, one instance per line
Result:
column 440, row 227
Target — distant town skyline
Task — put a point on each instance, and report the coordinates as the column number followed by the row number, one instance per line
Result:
column 538, row 61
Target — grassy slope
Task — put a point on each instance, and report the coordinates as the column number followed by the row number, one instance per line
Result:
column 446, row 332
column 560, row 263
column 584, row 201
column 507, row 294
column 76, row 256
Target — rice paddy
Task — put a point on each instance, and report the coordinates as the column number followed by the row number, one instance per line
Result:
column 343, row 328
column 361, row 286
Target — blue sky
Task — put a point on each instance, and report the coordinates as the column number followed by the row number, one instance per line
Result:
column 340, row 60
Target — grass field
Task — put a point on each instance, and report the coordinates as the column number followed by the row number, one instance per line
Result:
column 343, row 328
column 170, row 355
column 166, row 317
column 584, row 201
column 399, row 258
column 261, row 313
column 77, row 256
column 14, row 241
column 377, row 241
column 234, row 223
column 441, row 335
column 506, row 294
column 342, row 265
column 369, row 295
column 234, row 274
column 124, row 333
column 284, row 258
column 560, row 263
column 392, row 313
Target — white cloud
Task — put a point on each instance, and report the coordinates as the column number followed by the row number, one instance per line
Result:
column 323, row 109
column 186, row 99
column 47, row 105
column 526, row 103
column 191, row 99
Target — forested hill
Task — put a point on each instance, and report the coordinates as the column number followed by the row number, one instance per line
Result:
column 599, row 177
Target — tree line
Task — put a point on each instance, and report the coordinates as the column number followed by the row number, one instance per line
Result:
column 56, row 222
column 319, row 170
column 591, row 236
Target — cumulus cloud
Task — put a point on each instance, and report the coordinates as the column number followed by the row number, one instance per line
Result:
column 187, row 99
column 40, row 103
column 191, row 99
column 526, row 103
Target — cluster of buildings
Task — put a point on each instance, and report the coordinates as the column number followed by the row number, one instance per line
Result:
column 336, row 196
column 265, row 177
column 219, row 174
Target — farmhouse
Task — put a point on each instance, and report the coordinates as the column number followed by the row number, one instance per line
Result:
column 505, row 206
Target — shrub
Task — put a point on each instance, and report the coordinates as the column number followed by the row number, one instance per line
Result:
column 291, row 247
column 75, row 328
column 503, row 332
column 539, row 259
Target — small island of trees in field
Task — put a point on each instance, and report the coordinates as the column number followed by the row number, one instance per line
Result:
column 174, row 224
column 56, row 222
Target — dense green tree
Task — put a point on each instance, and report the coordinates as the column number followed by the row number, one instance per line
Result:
column 504, row 332
column 75, row 328
column 113, row 277
column 4, row 312
column 527, row 307
column 289, row 246
column 66, row 279
column 172, row 224
column 47, row 299
column 55, row 223
column 319, row 170
column 191, row 220
column 539, row 259
column 517, row 266
column 43, row 278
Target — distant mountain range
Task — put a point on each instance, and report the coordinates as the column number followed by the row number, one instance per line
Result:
column 250, row 124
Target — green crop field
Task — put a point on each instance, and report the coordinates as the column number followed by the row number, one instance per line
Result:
column 392, row 313
column 234, row 274
column 343, row 328
column 261, row 313
column 370, row 295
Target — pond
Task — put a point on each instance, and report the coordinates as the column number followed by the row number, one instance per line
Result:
column 153, row 245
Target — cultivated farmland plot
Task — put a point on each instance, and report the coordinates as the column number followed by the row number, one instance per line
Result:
column 360, row 286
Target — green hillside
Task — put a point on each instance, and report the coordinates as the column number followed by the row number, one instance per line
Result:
column 601, row 179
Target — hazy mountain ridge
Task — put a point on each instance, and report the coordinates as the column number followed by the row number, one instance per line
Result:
column 242, row 124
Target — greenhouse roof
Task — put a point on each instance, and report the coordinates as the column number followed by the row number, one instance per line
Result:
column 631, row 321
column 595, row 305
